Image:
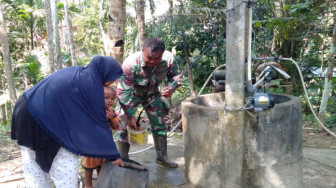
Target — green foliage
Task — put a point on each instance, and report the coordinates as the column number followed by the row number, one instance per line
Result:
column 297, row 30
column 200, row 23
column 183, row 91
column 84, row 61
column 309, row 120
column 31, row 69
column 331, row 121
column 131, row 33
column 4, row 127
column 275, row 88
column 72, row 8
column 88, row 35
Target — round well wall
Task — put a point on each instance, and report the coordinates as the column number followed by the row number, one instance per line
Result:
column 272, row 143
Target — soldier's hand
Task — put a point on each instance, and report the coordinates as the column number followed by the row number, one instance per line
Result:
column 131, row 121
column 167, row 92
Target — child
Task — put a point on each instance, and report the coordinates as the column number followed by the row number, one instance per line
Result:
column 89, row 164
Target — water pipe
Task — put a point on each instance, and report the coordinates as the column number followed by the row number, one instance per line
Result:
column 306, row 96
column 267, row 73
column 206, row 82
column 304, row 88
column 249, row 86
column 249, row 42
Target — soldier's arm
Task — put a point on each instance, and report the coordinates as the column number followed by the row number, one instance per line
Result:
column 173, row 73
column 125, row 90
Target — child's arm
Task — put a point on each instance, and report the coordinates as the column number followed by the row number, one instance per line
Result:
column 113, row 119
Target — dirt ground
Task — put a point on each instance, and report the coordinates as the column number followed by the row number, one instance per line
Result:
column 11, row 172
column 321, row 139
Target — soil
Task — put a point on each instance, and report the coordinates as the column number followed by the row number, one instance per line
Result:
column 320, row 139
column 9, row 149
column 11, row 171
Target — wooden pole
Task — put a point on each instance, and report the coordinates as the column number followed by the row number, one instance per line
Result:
column 236, row 45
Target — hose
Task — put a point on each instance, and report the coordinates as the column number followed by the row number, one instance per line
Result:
column 284, row 59
column 179, row 123
column 306, row 96
column 149, row 147
column 206, row 82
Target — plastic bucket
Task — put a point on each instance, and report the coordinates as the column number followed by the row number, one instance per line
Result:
column 138, row 137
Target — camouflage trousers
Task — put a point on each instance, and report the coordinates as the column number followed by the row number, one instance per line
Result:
column 155, row 113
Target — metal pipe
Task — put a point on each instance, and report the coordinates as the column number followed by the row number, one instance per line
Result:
column 249, row 43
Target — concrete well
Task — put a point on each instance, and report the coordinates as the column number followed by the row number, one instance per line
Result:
column 272, row 143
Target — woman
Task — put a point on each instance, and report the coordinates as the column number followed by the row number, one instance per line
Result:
column 64, row 116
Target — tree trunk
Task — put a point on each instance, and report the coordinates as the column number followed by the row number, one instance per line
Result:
column 187, row 57
column 328, row 77
column 49, row 28
column 2, row 91
column 31, row 26
column 116, row 29
column 70, row 38
column 140, row 19
column 6, row 58
column 56, row 35
column 170, row 4
column 102, row 31
column 65, row 36
column 3, row 113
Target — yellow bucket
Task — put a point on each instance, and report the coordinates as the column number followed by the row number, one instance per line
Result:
column 138, row 137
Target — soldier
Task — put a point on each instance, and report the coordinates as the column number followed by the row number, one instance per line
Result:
column 143, row 73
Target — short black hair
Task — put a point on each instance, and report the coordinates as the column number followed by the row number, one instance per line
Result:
column 155, row 45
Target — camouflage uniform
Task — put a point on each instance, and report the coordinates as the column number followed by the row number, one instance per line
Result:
column 139, row 85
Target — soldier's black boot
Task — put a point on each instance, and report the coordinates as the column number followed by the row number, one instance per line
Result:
column 160, row 143
column 123, row 148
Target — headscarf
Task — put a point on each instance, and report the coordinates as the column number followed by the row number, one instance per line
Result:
column 69, row 106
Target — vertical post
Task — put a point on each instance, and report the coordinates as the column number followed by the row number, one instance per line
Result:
column 235, row 92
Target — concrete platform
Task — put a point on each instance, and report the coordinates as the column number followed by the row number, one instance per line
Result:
column 319, row 167
column 160, row 176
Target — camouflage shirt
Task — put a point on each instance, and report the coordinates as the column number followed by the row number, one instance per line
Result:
column 140, row 81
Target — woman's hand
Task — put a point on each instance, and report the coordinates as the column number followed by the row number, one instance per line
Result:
column 118, row 162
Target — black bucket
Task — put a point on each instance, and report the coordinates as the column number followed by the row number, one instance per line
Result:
column 131, row 175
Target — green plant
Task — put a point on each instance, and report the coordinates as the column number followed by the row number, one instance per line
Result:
column 4, row 127
column 331, row 121
column 31, row 69
column 276, row 87
column 310, row 121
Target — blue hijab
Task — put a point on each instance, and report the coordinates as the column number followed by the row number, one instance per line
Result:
column 69, row 106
